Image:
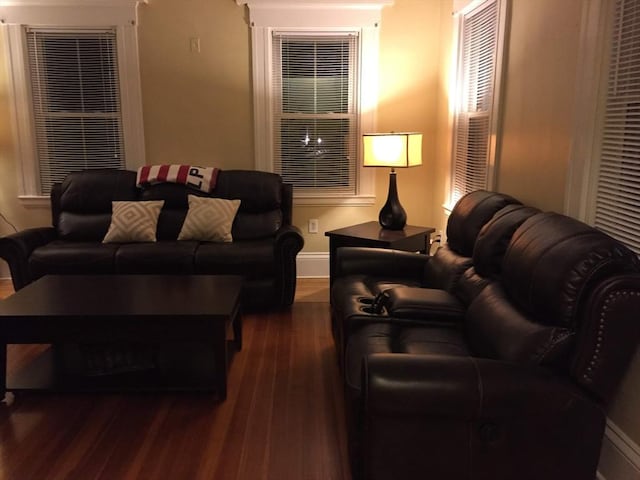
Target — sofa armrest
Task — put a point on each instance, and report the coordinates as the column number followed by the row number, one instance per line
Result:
column 380, row 262
column 16, row 249
column 288, row 242
column 424, row 304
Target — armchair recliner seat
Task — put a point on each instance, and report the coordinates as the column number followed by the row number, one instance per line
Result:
column 518, row 385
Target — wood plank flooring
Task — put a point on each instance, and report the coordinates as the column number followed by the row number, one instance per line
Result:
column 283, row 417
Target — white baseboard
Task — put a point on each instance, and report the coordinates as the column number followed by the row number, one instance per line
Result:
column 620, row 456
column 4, row 270
column 313, row 265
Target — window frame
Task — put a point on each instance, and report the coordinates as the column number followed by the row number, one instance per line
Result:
column 465, row 9
column 72, row 14
column 363, row 17
column 590, row 97
column 592, row 74
column 281, row 116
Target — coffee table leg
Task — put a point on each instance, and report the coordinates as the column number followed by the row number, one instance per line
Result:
column 237, row 332
column 3, row 370
column 221, row 359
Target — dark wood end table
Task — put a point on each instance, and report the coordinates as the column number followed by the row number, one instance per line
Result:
column 371, row 234
column 116, row 309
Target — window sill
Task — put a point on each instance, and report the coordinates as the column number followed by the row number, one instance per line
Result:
column 35, row 201
column 353, row 201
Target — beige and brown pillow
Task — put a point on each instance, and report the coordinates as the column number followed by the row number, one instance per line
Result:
column 209, row 219
column 133, row 221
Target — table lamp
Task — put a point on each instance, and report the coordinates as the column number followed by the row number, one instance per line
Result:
column 395, row 150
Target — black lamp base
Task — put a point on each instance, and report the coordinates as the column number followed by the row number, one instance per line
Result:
column 392, row 216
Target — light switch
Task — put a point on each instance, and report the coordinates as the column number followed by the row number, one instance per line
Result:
column 194, row 44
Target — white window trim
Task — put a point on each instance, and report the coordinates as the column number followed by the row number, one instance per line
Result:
column 69, row 13
column 363, row 16
column 462, row 8
column 590, row 95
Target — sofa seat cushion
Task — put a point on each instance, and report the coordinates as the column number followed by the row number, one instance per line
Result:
column 251, row 258
column 64, row 257
column 394, row 338
column 158, row 257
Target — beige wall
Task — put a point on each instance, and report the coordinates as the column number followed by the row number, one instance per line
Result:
column 410, row 44
column 538, row 101
column 197, row 106
column 14, row 211
column 537, row 132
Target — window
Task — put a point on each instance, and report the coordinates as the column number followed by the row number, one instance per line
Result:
column 76, row 102
column 75, row 90
column 481, row 33
column 315, row 121
column 310, row 101
column 617, row 193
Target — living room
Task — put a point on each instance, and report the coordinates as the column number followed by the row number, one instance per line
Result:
column 197, row 99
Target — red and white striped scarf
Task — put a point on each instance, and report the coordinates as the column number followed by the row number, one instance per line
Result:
column 202, row 178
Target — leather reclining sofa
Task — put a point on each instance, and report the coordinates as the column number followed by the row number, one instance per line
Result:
column 263, row 250
column 493, row 359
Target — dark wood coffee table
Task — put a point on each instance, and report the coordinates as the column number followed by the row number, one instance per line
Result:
column 146, row 311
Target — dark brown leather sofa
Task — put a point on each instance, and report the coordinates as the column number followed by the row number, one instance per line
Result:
column 502, row 372
column 263, row 251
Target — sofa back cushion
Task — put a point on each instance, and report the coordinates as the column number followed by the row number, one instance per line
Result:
column 176, row 204
column 553, row 261
column 447, row 266
column 260, row 195
column 469, row 215
column 494, row 237
column 84, row 202
column 260, row 214
column 539, row 311
column 444, row 269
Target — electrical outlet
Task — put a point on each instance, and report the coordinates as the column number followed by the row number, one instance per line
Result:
column 313, row 225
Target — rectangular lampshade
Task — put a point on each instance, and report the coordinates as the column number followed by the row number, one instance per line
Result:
column 396, row 150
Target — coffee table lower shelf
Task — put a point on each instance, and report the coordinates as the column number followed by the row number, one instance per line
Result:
column 195, row 371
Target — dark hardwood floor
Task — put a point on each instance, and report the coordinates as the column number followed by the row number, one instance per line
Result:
column 283, row 417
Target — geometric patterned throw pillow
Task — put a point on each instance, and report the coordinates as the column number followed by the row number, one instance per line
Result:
column 133, row 221
column 209, row 219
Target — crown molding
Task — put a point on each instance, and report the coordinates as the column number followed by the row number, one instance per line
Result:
column 69, row 12
column 314, row 13
column 70, row 3
column 316, row 3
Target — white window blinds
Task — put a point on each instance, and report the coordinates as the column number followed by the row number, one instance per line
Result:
column 315, row 111
column 76, row 100
column 618, row 188
column 475, row 99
